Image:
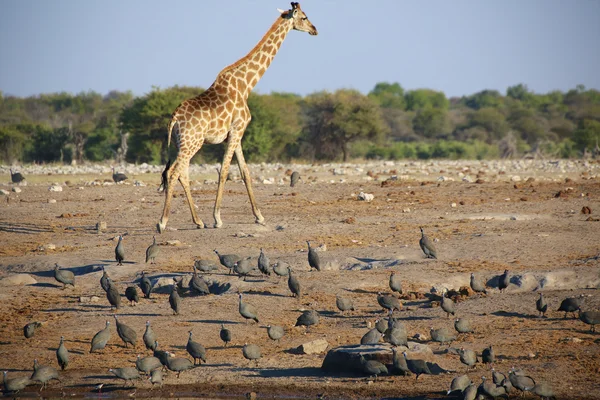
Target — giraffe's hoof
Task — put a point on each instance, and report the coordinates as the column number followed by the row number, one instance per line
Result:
column 260, row 221
column 160, row 228
column 200, row 226
column 218, row 224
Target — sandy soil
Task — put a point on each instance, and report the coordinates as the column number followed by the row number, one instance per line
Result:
column 494, row 225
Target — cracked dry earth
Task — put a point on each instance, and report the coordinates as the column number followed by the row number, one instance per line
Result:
column 545, row 242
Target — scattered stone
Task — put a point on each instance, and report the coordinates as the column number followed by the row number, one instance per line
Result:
column 100, row 226
column 48, row 246
column 174, row 242
column 89, row 299
column 55, row 188
column 18, row 280
column 349, row 220
column 317, row 346
column 515, row 178
column 453, row 205
column 586, row 210
column 368, row 197
column 406, row 210
column 51, row 201
column 139, row 183
column 4, row 192
column 16, row 189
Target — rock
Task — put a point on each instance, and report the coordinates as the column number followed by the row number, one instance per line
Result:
column 51, row 201
column 55, row 188
column 16, row 189
column 317, row 346
column 368, row 197
column 89, row 299
column 347, row 358
column 139, row 183
column 18, row 280
column 174, row 242
column 453, row 205
column 4, row 192
column 515, row 178
column 100, row 226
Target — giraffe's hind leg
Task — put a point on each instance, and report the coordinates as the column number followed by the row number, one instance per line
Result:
column 184, row 179
column 172, row 174
column 245, row 172
column 231, row 145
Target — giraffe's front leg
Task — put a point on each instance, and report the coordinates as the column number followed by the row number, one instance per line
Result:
column 245, row 172
column 184, row 179
column 231, row 145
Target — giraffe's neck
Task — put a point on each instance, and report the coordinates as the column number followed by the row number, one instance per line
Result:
column 245, row 73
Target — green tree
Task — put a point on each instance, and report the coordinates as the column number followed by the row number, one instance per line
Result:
column 587, row 134
column 424, row 98
column 388, row 95
column 491, row 120
column 431, row 122
column 484, row 99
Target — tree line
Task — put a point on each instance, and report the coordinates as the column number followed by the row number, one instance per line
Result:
column 387, row 123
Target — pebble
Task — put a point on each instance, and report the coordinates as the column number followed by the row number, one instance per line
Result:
column 51, row 201
column 16, row 189
column 368, row 197
column 4, row 192
column 55, row 188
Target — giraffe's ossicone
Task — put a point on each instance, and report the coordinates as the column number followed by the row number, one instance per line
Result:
column 221, row 114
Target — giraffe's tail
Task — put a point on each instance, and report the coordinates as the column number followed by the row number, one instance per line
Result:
column 171, row 125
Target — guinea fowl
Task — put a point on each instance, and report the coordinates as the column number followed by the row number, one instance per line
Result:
column 313, row 258
column 541, row 305
column 248, row 311
column 162, row 355
column 195, row 349
column 488, row 356
column 462, row 325
column 275, row 332
column 126, row 333
column 101, row 338
column 381, row 324
column 15, row 385
column 127, row 374
column 395, row 283
column 344, row 304
column 372, row 367
column 447, row 305
column 147, row 364
column 459, row 384
column 591, row 318
column 389, row 302
column 174, row 299
column 308, row 318
column 63, row 276
column 62, row 354
column 543, row 389
column 251, row 352
column 503, row 281
column 570, row 305
column 16, row 177
column 281, row 268
column 293, row 283
column 118, row 176
column 396, row 335
column 104, row 280
column 178, row 364
column 120, row 251
column 371, row 337
column 228, row 260
column 521, row 382
column 146, row 285
column 197, row 284
column 470, row 392
column 205, row 265
column 243, row 267
column 149, row 337
column 225, row 334
column 399, row 363
column 490, row 389
column 29, row 329
column 44, row 374
column 263, row 263
column 112, row 295
column 417, row 366
column 477, row 286
column 427, row 246
column 152, row 251
column 132, row 295
column 467, row 357
column 294, row 178
column 156, row 378
column 441, row 335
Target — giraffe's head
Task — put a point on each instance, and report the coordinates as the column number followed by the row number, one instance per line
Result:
column 300, row 20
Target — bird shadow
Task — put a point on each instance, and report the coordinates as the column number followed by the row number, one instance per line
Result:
column 24, row 228
column 139, row 315
column 78, row 271
column 265, row 293
column 503, row 313
column 214, row 321
column 362, row 291
column 66, row 309
column 291, row 372
column 46, row 285
column 415, row 318
column 370, row 260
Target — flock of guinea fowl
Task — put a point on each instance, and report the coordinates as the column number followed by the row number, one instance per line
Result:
column 390, row 330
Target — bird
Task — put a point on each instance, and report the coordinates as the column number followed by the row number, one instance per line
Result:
column 251, row 352
column 104, row 280
column 389, row 302
column 308, row 318
column 16, row 177
column 441, row 335
column 462, row 325
column 225, row 334
column 275, row 332
column 44, row 374
column 470, row 392
column 152, row 251
column 447, row 305
column 570, row 305
column 112, row 295
column 120, row 251
column 467, row 357
column 132, row 295
column 62, row 354
column 125, row 373
column 156, row 378
column 543, row 389
column 381, row 324
column 293, row 283
column 371, row 337
column 399, row 363
column 503, row 281
column 178, row 364
column 344, row 304
column 417, row 366
column 459, row 384
column 63, row 276
column 488, row 356
column 521, row 382
column 195, row 349
column 228, row 260
column 591, row 318
column 395, row 283
column 294, row 178
column 162, row 355
column 477, row 286
column 101, row 338
column 205, row 265
column 281, row 268
column 174, row 299
column 372, row 367
column 263, row 263
column 427, row 246
column 146, row 285
column 396, row 335
column 149, row 337
column 29, row 329
column 15, row 385
column 498, row 377
column 313, row 258
column 197, row 284
column 147, row 364
column 126, row 333
column 118, row 176
column 248, row 311
column 541, row 305
column 490, row 389
column 243, row 267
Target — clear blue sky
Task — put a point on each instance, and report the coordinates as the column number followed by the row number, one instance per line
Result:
column 456, row 46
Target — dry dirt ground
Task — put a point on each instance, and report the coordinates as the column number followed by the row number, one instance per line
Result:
column 527, row 227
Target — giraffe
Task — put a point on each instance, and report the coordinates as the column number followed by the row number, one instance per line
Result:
column 221, row 114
